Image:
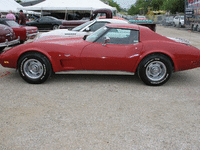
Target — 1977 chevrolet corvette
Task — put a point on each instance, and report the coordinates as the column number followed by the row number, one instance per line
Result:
column 126, row 48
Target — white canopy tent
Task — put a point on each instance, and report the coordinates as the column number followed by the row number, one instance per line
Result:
column 69, row 5
column 11, row 5
column 7, row 5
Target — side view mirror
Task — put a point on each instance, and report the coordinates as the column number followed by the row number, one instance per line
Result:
column 106, row 40
column 85, row 36
column 87, row 29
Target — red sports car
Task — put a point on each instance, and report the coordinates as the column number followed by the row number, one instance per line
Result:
column 125, row 48
column 7, row 37
column 24, row 32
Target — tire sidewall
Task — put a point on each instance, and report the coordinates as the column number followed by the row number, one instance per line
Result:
column 45, row 65
column 53, row 28
column 144, row 64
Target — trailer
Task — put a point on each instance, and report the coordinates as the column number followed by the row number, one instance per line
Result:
column 192, row 14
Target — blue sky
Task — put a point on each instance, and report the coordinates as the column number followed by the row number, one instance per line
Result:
column 125, row 3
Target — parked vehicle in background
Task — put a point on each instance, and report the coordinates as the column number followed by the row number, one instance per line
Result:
column 192, row 15
column 7, row 37
column 106, row 13
column 178, row 21
column 140, row 18
column 46, row 23
column 83, row 29
column 24, row 32
column 168, row 21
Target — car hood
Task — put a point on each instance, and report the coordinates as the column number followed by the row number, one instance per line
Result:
column 62, row 32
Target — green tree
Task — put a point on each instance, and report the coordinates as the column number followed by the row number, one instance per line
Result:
column 174, row 6
column 18, row 1
column 140, row 7
column 114, row 4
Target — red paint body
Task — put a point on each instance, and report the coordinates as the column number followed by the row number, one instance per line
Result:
column 67, row 54
column 22, row 32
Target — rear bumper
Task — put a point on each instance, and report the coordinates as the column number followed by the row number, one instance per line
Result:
column 8, row 43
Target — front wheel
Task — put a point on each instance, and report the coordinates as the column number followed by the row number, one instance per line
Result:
column 1, row 49
column 34, row 68
column 155, row 70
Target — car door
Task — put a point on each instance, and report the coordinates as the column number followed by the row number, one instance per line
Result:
column 45, row 23
column 119, row 54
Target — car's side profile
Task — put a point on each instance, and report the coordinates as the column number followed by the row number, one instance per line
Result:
column 124, row 48
column 46, row 23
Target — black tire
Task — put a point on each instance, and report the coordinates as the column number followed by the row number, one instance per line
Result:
column 174, row 24
column 179, row 25
column 155, row 70
column 34, row 68
column 1, row 49
column 198, row 28
column 22, row 41
column 55, row 27
column 193, row 28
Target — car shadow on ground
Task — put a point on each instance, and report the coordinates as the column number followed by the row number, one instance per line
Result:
column 95, row 78
column 177, row 79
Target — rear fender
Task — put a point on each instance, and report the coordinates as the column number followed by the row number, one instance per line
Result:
column 147, row 53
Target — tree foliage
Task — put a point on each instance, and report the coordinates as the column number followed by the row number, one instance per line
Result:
column 141, row 6
column 114, row 4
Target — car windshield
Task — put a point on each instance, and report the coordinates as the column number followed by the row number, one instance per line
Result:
column 96, row 34
column 182, row 17
column 12, row 24
column 78, row 28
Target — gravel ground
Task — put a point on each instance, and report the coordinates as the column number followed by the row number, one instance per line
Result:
column 101, row 112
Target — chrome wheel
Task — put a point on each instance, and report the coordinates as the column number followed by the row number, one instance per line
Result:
column 55, row 27
column 156, row 71
column 33, row 68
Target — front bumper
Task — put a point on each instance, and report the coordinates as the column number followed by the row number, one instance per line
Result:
column 8, row 43
column 31, row 36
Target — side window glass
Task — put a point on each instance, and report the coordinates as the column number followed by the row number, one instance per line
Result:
column 42, row 19
column 96, row 26
column 120, row 36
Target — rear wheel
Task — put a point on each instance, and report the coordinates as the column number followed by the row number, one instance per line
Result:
column 198, row 28
column 55, row 27
column 193, row 28
column 34, row 68
column 155, row 70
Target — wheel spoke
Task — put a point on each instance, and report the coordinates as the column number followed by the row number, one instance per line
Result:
column 156, row 70
column 33, row 68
